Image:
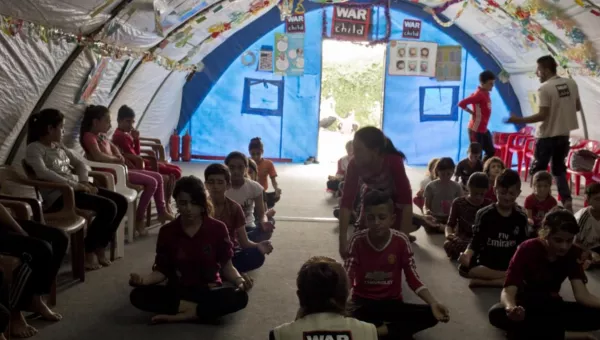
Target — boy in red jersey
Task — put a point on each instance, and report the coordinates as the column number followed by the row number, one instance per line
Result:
column 480, row 113
column 377, row 257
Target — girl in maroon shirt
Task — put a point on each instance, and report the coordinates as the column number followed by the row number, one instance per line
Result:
column 376, row 165
column 531, row 307
column 192, row 253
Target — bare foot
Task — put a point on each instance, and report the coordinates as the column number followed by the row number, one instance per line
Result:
column 165, row 217
column 187, row 312
column 19, row 328
column 140, row 228
column 91, row 262
column 101, row 254
column 39, row 306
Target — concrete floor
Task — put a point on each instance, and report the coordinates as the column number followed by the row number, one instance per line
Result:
column 99, row 309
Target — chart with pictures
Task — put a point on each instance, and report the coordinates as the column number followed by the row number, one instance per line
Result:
column 412, row 58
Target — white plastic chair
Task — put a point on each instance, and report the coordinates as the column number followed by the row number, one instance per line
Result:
column 131, row 196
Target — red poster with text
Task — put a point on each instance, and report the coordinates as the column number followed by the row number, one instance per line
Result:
column 351, row 22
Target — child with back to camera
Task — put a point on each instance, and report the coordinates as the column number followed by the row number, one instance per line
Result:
column 378, row 258
column 440, row 193
column 530, row 303
column 497, row 232
column 540, row 202
column 323, row 290
column 468, row 166
column 493, row 167
column 459, row 229
column 419, row 199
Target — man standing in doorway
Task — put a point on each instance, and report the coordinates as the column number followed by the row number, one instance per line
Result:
column 558, row 105
column 480, row 113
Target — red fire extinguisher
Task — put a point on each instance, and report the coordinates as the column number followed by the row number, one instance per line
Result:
column 186, row 147
column 174, row 148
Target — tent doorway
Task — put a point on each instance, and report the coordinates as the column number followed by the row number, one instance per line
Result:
column 351, row 94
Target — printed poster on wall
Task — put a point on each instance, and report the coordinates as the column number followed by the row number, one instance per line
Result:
column 91, row 83
column 350, row 23
column 411, row 29
column 265, row 59
column 449, row 63
column 295, row 24
column 412, row 58
column 289, row 54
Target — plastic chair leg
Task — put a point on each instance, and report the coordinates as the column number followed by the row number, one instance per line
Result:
column 131, row 221
column 577, row 184
column 520, row 157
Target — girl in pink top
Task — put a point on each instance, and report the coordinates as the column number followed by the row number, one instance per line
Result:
column 97, row 146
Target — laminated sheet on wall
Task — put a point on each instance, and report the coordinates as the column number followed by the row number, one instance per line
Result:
column 136, row 25
column 26, row 69
column 70, row 15
column 139, row 89
column 162, row 115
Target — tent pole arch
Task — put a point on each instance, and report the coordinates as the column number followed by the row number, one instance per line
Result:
column 219, row 60
column 57, row 78
column 139, row 121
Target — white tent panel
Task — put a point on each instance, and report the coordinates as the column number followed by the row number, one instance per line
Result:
column 162, row 116
column 113, row 77
column 71, row 15
column 26, row 69
column 139, row 90
column 589, row 92
column 135, row 26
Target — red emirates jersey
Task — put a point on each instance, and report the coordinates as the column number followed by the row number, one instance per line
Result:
column 377, row 273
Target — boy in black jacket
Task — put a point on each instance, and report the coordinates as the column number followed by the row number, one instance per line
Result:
column 498, row 230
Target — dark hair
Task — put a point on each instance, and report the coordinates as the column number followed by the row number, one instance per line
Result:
column 445, row 163
column 558, row 219
column 508, row 178
column 194, row 187
column 488, row 164
column 252, row 165
column 90, row 114
column 542, row 176
column 592, row 189
column 217, row 169
column 125, row 112
column 374, row 139
column 38, row 123
column 322, row 286
column 475, row 148
column 486, row 76
column 236, row 155
column 547, row 62
column 478, row 180
column 376, row 197
column 256, row 143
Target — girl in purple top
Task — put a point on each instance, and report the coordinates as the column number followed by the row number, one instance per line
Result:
column 531, row 307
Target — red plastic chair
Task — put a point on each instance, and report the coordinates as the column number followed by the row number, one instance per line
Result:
column 516, row 141
column 593, row 146
column 528, row 155
column 500, row 141
column 517, row 145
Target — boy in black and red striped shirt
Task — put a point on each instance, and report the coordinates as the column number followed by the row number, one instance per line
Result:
column 378, row 257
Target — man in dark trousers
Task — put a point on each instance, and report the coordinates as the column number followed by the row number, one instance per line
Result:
column 558, row 105
column 481, row 110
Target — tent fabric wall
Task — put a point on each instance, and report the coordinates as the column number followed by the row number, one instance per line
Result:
column 26, row 69
column 220, row 103
column 161, row 117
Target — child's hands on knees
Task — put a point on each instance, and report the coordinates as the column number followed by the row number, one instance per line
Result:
column 267, row 227
column 451, row 237
column 465, row 258
column 265, row 247
column 440, row 312
column 515, row 313
column 136, row 280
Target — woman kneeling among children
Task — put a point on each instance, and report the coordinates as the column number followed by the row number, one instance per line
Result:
column 531, row 307
column 192, row 253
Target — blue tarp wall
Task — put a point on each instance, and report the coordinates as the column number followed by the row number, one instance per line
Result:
column 213, row 99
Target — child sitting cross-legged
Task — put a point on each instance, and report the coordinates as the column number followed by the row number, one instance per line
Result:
column 459, row 229
column 588, row 219
column 377, row 258
column 247, row 255
column 323, row 294
column 419, row 199
column 540, row 202
column 333, row 182
column 440, row 193
column 497, row 232
column 493, row 167
column 530, row 304
column 468, row 166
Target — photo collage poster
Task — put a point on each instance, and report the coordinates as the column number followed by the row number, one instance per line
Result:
column 449, row 63
column 289, row 54
column 412, row 58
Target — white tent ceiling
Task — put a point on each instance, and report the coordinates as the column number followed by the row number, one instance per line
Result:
column 183, row 32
